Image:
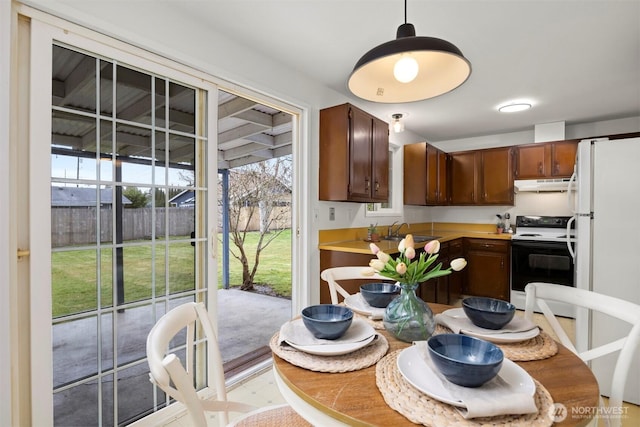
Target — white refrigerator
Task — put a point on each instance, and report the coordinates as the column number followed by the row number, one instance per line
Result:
column 607, row 249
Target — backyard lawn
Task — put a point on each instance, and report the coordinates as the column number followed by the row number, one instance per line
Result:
column 74, row 273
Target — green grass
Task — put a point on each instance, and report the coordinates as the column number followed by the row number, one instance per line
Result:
column 74, row 273
column 274, row 269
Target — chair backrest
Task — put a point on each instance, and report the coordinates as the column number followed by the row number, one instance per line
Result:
column 336, row 274
column 537, row 293
column 166, row 368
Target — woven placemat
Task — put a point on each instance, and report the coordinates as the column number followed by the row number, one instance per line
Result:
column 421, row 409
column 375, row 324
column 540, row 347
column 359, row 359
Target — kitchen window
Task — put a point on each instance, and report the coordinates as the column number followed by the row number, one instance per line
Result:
column 393, row 207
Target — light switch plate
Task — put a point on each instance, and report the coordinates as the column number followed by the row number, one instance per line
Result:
column 332, row 214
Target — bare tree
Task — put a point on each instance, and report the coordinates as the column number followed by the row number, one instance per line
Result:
column 258, row 191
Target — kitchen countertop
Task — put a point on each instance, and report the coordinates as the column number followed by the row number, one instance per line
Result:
column 389, row 246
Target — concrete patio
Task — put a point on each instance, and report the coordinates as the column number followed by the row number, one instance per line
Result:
column 246, row 322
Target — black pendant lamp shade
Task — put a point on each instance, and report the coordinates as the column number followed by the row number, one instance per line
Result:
column 441, row 67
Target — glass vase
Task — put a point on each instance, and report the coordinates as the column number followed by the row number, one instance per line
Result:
column 408, row 317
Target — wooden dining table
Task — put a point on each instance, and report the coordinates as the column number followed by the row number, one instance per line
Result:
column 352, row 398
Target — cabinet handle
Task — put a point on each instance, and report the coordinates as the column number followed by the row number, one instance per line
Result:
column 556, row 167
column 377, row 186
column 367, row 185
column 540, row 168
column 502, row 263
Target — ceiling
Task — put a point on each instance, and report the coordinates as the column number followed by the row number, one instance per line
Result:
column 576, row 61
column 248, row 131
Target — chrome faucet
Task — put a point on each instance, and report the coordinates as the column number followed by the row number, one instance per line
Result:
column 390, row 231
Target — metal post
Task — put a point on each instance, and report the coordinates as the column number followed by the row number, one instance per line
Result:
column 225, row 227
column 117, row 204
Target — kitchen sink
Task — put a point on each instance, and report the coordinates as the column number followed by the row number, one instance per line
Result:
column 421, row 238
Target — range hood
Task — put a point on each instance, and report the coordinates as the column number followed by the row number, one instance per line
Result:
column 538, row 185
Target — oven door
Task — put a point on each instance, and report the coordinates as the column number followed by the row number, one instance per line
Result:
column 537, row 261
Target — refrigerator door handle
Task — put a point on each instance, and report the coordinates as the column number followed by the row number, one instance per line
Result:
column 571, row 201
column 569, row 246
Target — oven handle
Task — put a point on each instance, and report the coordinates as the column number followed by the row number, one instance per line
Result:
column 569, row 245
column 559, row 244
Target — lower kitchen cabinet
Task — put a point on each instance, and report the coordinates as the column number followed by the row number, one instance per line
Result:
column 488, row 266
column 456, row 279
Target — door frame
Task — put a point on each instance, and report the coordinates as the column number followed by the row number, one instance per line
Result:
column 43, row 35
column 27, row 383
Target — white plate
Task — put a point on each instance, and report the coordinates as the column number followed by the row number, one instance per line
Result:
column 416, row 371
column 332, row 349
column 356, row 303
column 495, row 337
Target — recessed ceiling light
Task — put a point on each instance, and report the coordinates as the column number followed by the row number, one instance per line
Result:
column 514, row 107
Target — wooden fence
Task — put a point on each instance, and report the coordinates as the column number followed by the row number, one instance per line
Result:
column 78, row 226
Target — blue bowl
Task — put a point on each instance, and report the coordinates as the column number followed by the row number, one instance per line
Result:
column 488, row 313
column 327, row 321
column 465, row 360
column 379, row 294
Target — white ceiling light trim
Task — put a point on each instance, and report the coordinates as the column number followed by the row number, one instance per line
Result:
column 515, row 106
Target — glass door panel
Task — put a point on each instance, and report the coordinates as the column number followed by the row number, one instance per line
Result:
column 123, row 146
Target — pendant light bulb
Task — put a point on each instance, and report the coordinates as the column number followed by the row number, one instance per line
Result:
column 406, row 69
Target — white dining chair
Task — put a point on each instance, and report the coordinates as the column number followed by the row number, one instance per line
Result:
column 334, row 275
column 537, row 295
column 169, row 373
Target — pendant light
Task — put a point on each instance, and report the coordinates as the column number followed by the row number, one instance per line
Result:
column 409, row 68
column 398, row 126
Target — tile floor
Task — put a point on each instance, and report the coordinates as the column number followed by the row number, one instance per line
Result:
column 261, row 389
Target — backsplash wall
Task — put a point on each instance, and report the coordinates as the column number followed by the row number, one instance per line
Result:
column 527, row 203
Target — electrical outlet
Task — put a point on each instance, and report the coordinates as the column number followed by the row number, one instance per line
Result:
column 332, row 214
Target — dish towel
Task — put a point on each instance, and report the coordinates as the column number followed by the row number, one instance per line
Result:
column 358, row 302
column 296, row 333
column 456, row 320
column 495, row 397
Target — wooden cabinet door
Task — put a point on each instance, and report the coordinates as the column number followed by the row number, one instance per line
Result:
column 463, row 184
column 380, row 161
column 487, row 271
column 531, row 162
column 360, row 134
column 415, row 174
column 497, row 176
column 432, row 175
column 443, row 182
column 563, row 158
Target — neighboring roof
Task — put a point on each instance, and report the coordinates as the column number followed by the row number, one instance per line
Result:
column 185, row 198
column 79, row 196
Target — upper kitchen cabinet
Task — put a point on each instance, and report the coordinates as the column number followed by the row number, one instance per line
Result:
column 464, row 177
column 546, row 160
column 354, row 156
column 482, row 177
column 425, row 175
